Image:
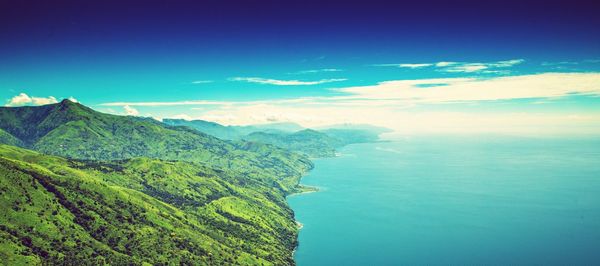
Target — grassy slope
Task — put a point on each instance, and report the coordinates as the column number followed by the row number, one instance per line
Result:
column 308, row 142
column 134, row 211
column 6, row 138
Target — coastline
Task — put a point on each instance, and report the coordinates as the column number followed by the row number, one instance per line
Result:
column 303, row 189
column 300, row 190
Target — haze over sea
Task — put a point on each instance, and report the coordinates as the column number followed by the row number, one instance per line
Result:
column 454, row 200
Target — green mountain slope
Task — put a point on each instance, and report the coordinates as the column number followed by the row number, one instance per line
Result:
column 279, row 127
column 354, row 133
column 6, row 138
column 211, row 128
column 308, row 141
column 233, row 132
column 72, row 130
column 128, row 190
column 60, row 211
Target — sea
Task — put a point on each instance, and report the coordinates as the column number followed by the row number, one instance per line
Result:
column 454, row 200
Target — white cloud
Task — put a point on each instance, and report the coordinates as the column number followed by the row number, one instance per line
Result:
column 284, row 82
column 311, row 71
column 468, row 68
column 441, row 90
column 413, row 66
column 471, row 89
column 506, row 63
column 479, row 67
column 404, row 105
column 201, row 81
column 73, row 99
column 24, row 99
column 409, row 121
column 130, row 110
column 465, row 67
column 20, row 99
column 445, row 64
column 43, row 101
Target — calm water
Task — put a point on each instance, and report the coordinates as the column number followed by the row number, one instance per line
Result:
column 454, row 201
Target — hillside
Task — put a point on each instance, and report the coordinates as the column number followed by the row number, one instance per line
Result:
column 74, row 131
column 6, row 138
column 354, row 133
column 314, row 143
column 309, row 142
column 233, row 132
column 211, row 128
column 60, row 211
column 128, row 190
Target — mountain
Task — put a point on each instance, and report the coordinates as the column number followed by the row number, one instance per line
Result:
column 80, row 187
column 354, row 133
column 233, row 132
column 363, row 127
column 138, row 211
column 309, row 142
column 75, row 131
column 280, row 127
column 211, row 128
column 9, row 139
column 290, row 136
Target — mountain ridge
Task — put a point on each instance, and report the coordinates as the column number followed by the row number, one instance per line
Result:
column 74, row 131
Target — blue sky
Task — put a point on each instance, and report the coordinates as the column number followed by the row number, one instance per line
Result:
column 427, row 66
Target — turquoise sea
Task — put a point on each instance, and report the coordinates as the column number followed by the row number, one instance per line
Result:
column 454, row 200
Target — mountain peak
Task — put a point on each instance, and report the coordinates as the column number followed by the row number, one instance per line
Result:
column 66, row 101
column 30, row 123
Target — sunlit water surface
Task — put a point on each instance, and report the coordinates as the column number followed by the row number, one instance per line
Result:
column 453, row 201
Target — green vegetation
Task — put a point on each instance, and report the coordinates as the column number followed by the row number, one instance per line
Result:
column 74, row 131
column 233, row 132
column 6, row 138
column 79, row 187
column 290, row 136
column 61, row 211
column 309, row 142
column 211, row 128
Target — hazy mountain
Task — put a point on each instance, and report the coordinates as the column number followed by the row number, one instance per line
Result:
column 211, row 128
column 349, row 126
column 354, row 133
column 233, row 132
column 279, row 127
column 291, row 136
column 307, row 141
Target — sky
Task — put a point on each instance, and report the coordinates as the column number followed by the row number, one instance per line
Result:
column 422, row 67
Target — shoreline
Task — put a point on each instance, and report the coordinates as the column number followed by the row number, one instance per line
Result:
column 304, row 190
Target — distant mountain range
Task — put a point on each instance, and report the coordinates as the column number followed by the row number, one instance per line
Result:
column 315, row 143
column 309, row 142
column 83, row 187
column 233, row 132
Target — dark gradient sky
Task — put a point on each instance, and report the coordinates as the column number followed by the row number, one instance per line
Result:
column 279, row 30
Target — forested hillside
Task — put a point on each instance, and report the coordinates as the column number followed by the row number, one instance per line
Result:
column 56, row 211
